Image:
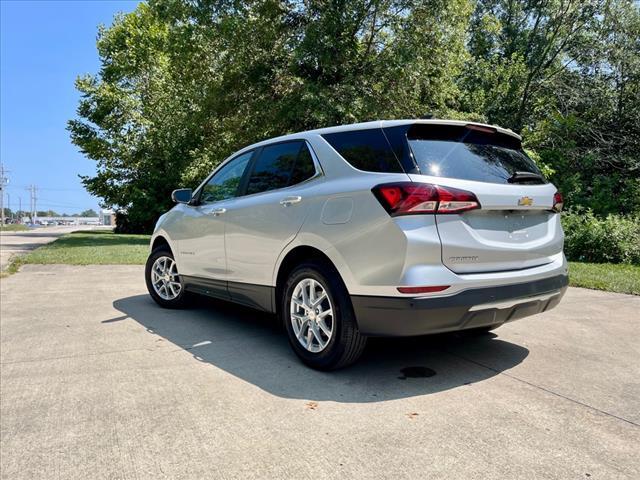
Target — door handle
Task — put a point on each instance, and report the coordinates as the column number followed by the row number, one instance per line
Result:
column 285, row 202
column 216, row 212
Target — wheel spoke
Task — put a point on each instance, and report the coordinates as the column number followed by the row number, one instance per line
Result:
column 305, row 296
column 323, row 326
column 300, row 333
column 310, row 336
column 320, row 299
column 316, row 333
column 323, row 314
column 312, row 292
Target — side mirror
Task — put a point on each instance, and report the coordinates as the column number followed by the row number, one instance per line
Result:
column 182, row 195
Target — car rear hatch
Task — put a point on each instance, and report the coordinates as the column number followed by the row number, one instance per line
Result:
column 515, row 226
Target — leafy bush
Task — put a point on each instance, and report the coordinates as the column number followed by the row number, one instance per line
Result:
column 610, row 239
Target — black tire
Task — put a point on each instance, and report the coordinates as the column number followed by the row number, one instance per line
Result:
column 178, row 302
column 346, row 343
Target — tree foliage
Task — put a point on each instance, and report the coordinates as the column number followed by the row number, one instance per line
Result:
column 185, row 83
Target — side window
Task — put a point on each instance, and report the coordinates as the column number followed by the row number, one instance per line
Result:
column 279, row 166
column 224, row 184
column 304, row 168
column 366, row 150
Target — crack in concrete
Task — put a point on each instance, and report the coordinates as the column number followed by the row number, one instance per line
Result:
column 544, row 389
column 32, row 360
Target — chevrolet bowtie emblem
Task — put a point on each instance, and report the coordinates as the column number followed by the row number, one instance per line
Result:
column 525, row 202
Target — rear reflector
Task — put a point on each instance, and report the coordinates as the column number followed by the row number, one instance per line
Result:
column 558, row 202
column 408, row 198
column 431, row 289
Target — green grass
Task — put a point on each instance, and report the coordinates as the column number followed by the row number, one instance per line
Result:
column 605, row 276
column 90, row 248
column 13, row 227
column 108, row 248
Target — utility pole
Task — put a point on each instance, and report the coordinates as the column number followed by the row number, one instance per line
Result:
column 30, row 205
column 19, row 209
column 32, row 202
column 3, row 181
column 9, row 207
column 35, row 198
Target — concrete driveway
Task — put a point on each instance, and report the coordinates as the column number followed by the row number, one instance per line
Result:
column 98, row 382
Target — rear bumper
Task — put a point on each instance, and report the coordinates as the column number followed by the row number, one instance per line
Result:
column 477, row 307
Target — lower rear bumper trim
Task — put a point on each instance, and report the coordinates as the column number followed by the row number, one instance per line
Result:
column 478, row 307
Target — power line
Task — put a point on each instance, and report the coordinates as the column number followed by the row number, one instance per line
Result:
column 20, row 187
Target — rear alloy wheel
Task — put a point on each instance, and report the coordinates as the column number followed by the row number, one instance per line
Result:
column 318, row 316
column 311, row 315
column 163, row 281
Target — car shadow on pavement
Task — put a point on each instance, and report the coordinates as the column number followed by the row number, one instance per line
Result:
column 251, row 346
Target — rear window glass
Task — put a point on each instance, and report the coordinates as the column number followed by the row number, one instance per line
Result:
column 366, row 150
column 469, row 154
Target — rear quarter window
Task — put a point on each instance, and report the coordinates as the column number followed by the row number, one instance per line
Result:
column 366, row 150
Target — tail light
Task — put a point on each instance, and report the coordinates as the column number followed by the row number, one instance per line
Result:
column 407, row 198
column 558, row 202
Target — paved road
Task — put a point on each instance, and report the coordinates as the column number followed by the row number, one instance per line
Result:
column 14, row 243
column 97, row 382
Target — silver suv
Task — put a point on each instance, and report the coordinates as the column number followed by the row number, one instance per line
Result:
column 388, row 228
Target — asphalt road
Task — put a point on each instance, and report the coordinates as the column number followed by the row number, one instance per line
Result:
column 15, row 243
column 98, row 382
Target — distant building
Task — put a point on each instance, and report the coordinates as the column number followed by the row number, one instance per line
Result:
column 107, row 217
column 69, row 220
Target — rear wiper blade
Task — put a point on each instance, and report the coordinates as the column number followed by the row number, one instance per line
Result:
column 525, row 177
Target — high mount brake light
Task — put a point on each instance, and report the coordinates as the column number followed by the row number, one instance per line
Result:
column 558, row 202
column 481, row 128
column 408, row 198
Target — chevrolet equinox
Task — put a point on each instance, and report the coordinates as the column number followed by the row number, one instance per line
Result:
column 386, row 228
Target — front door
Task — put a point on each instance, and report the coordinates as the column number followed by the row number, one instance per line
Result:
column 201, row 244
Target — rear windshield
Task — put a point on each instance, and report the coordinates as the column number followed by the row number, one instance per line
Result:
column 467, row 153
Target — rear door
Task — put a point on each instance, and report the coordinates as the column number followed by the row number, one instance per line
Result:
column 267, row 217
column 515, row 227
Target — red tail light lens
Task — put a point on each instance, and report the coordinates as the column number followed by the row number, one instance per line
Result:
column 558, row 202
column 407, row 198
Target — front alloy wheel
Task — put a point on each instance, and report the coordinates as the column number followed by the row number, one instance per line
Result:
column 162, row 278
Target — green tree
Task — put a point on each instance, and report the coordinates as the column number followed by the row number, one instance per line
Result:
column 88, row 213
column 47, row 213
column 587, row 130
column 517, row 48
column 184, row 84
